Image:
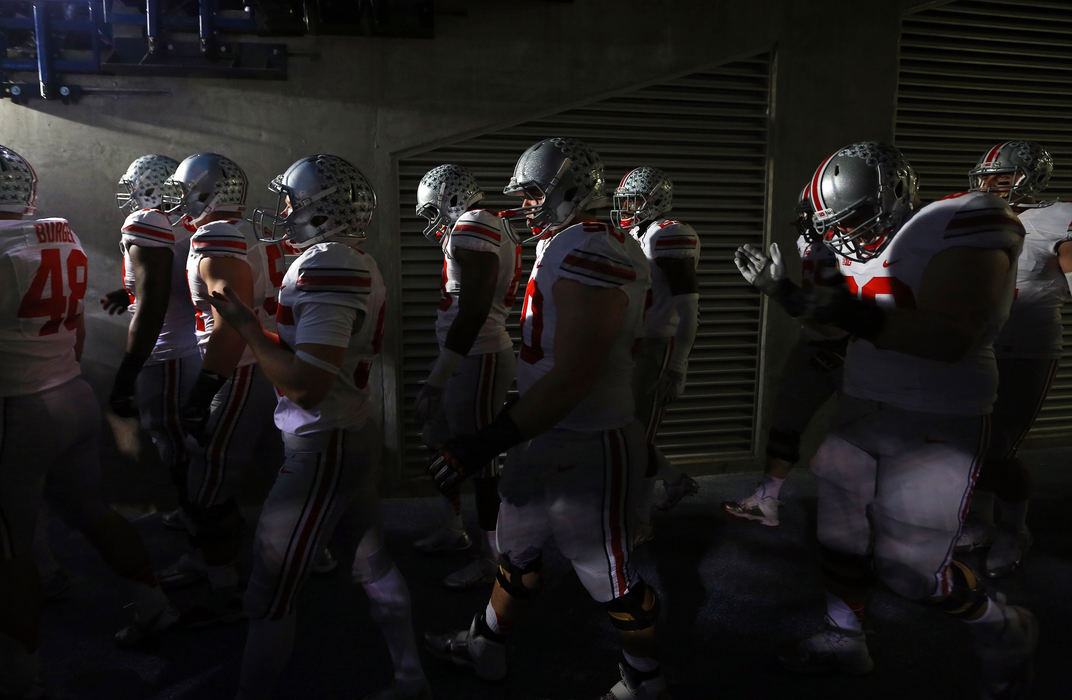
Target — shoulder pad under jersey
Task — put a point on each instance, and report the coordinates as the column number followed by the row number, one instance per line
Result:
column 976, row 219
column 219, row 239
column 592, row 253
column 672, row 239
column 477, row 229
column 150, row 228
column 334, row 273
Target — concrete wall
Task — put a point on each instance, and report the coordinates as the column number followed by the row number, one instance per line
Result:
column 492, row 63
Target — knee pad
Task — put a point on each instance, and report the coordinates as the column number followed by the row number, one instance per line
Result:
column 371, row 568
column 510, row 575
column 214, row 522
column 487, row 502
column 783, row 444
column 965, row 600
column 636, row 610
column 848, row 576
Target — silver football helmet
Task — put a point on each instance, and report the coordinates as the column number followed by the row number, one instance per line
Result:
column 319, row 197
column 18, row 184
column 204, row 183
column 142, row 185
column 861, row 196
column 644, row 194
column 564, row 175
column 1028, row 162
column 443, row 195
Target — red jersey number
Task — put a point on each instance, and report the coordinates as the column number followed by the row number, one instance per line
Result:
column 511, row 291
column 53, row 295
column 903, row 298
column 532, row 321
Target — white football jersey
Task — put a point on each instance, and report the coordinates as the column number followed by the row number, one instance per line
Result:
column 664, row 238
column 1033, row 330
column 966, row 387
column 151, row 228
column 322, row 294
column 234, row 238
column 485, row 232
column 42, row 283
column 595, row 254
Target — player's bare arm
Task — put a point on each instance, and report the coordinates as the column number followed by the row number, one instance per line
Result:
column 960, row 294
column 479, row 275
column 589, row 321
column 305, row 382
column 225, row 346
column 152, row 287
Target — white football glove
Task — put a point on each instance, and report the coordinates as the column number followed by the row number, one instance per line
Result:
column 671, row 385
column 763, row 272
column 429, row 402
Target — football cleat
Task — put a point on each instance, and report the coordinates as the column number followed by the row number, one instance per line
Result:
column 444, row 540
column 324, row 563
column 684, row 486
column 473, row 647
column 638, row 685
column 1007, row 551
column 1006, row 652
column 974, row 534
column 145, row 632
column 756, row 507
column 186, row 571
column 832, row 650
column 478, row 572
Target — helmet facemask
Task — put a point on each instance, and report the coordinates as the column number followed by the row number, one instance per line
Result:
column 644, row 195
column 444, row 194
column 563, row 176
column 1028, row 165
column 142, row 185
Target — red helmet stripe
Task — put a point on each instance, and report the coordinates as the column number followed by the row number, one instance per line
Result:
column 815, row 193
column 993, row 154
column 622, row 183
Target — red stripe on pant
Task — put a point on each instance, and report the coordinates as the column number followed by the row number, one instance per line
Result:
column 656, row 415
column 615, row 457
column 220, row 442
column 170, row 409
column 1015, row 447
column 303, row 538
column 944, row 578
column 484, row 396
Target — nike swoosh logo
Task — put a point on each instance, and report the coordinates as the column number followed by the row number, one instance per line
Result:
column 887, row 263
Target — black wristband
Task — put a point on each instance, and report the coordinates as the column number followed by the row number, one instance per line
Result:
column 131, row 366
column 501, row 434
column 206, row 386
column 791, row 297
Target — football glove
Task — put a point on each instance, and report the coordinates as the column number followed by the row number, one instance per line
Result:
column 465, row 455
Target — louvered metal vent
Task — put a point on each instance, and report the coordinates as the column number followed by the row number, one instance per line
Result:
column 708, row 130
column 977, row 72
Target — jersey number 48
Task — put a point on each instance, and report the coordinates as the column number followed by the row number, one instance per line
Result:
column 53, row 295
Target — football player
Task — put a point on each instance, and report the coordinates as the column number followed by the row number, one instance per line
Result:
column 1027, row 349
column 927, row 292
column 811, row 375
column 331, row 319
column 229, row 407
column 468, row 382
column 577, row 452
column 161, row 360
column 49, row 441
column 642, row 206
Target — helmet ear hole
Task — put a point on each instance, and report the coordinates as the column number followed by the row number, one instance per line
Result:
column 899, row 189
column 837, row 170
column 454, row 201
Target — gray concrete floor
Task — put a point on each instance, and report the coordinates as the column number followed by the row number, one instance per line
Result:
column 733, row 592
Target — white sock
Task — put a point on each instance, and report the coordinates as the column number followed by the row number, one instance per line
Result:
column 389, row 607
column 771, row 486
column 992, row 615
column 269, row 644
column 492, row 619
column 644, row 664
column 842, row 615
